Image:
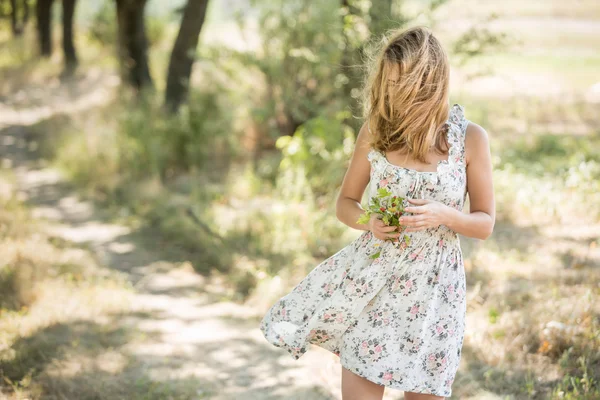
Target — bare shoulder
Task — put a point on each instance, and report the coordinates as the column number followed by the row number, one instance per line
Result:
column 363, row 139
column 477, row 142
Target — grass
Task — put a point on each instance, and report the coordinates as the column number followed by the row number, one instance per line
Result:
column 534, row 324
column 570, row 71
column 56, row 303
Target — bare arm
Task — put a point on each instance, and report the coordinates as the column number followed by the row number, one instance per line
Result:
column 479, row 223
column 348, row 208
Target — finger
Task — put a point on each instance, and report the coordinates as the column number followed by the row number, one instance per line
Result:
column 418, row 201
column 388, row 228
column 417, row 210
column 420, row 224
column 386, row 233
column 412, row 219
column 379, row 223
column 417, row 224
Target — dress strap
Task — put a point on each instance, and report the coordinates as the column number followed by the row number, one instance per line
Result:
column 458, row 123
column 375, row 157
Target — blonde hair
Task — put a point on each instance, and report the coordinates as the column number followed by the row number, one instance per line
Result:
column 409, row 114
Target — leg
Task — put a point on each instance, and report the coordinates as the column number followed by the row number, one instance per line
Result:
column 355, row 387
column 421, row 396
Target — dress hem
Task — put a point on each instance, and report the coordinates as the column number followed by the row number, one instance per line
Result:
column 296, row 353
column 379, row 381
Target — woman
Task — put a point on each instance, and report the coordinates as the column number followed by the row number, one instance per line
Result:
column 398, row 319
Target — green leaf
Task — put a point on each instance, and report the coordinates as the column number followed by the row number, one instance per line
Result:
column 364, row 218
column 407, row 240
column 383, row 192
column 376, row 255
column 376, row 202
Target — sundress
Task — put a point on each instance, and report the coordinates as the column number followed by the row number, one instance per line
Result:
column 399, row 319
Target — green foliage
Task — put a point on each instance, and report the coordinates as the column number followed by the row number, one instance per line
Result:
column 493, row 315
column 389, row 207
column 178, row 232
column 314, row 159
column 582, row 379
column 103, row 27
column 555, row 154
column 14, row 227
column 355, row 23
column 9, row 298
column 298, row 58
column 375, row 255
column 385, row 15
column 155, row 29
column 550, row 176
column 164, row 145
column 477, row 41
column 142, row 141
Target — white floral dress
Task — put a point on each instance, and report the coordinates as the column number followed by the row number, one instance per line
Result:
column 397, row 320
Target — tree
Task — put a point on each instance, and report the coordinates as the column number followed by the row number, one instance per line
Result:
column 68, row 46
column 18, row 24
column 13, row 17
column 183, row 54
column 44, row 19
column 298, row 60
column 133, row 43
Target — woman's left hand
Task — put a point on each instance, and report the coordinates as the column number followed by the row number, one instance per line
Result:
column 429, row 214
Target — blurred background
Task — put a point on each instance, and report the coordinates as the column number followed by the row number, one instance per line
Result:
column 170, row 169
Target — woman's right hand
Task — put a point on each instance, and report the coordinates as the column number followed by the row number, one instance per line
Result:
column 382, row 231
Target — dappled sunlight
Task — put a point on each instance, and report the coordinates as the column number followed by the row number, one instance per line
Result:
column 529, row 306
column 91, row 232
column 94, row 90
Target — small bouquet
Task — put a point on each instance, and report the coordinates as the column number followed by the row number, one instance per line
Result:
column 389, row 207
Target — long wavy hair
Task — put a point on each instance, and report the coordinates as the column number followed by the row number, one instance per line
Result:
column 405, row 93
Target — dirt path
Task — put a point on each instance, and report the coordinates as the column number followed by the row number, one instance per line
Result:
column 189, row 337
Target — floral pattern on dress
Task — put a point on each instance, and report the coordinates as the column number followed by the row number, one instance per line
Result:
column 403, row 285
column 397, row 320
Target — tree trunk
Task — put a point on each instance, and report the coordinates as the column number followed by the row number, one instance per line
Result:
column 133, row 44
column 13, row 18
column 44, row 21
column 19, row 15
column 25, row 12
column 68, row 44
column 183, row 54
